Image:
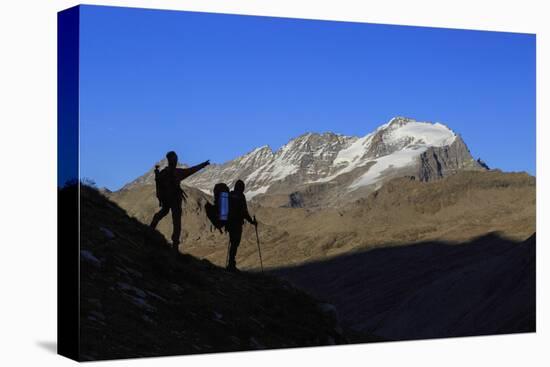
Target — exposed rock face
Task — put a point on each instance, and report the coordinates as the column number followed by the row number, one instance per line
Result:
column 345, row 167
column 438, row 162
column 296, row 200
column 482, row 163
column 381, row 142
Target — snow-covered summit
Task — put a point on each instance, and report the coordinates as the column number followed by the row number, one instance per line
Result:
column 415, row 132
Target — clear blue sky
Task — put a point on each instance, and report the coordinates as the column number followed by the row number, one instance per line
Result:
column 214, row 86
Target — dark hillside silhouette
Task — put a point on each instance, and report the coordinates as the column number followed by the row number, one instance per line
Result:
column 139, row 299
column 429, row 290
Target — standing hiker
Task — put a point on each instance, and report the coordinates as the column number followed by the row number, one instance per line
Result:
column 170, row 194
column 238, row 212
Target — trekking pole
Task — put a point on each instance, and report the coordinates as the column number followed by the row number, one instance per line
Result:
column 258, row 242
column 227, row 257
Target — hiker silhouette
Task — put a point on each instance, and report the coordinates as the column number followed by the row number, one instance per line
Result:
column 237, row 214
column 170, row 194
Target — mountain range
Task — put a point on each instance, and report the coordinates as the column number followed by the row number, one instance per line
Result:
column 330, row 169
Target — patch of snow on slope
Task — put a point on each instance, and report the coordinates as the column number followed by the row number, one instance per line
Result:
column 250, row 194
column 256, row 174
column 354, row 151
column 350, row 157
column 280, row 169
column 275, row 170
column 398, row 159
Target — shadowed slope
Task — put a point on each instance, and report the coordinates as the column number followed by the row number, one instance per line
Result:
column 429, row 290
column 139, row 298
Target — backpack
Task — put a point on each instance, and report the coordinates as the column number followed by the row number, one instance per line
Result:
column 166, row 188
column 218, row 213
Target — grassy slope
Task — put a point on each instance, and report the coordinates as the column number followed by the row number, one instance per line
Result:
column 457, row 208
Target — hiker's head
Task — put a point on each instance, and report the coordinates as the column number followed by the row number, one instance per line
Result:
column 172, row 158
column 239, row 186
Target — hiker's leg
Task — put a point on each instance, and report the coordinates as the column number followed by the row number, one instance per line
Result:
column 232, row 253
column 158, row 216
column 176, row 221
column 235, row 234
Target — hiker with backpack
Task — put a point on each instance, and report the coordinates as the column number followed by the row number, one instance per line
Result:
column 229, row 211
column 238, row 212
column 170, row 194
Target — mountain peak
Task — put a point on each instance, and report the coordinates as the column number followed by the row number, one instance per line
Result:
column 403, row 131
column 260, row 150
column 400, row 121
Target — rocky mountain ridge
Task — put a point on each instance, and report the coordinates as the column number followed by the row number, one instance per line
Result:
column 348, row 167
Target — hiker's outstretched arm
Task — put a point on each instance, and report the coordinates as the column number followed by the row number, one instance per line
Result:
column 186, row 172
